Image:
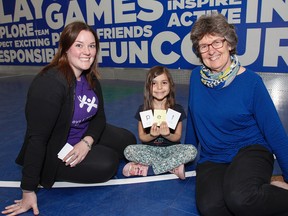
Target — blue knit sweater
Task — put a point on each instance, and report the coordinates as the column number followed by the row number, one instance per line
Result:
column 223, row 121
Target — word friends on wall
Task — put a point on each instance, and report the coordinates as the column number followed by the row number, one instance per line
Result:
column 140, row 33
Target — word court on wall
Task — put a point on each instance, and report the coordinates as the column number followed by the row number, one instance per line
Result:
column 143, row 33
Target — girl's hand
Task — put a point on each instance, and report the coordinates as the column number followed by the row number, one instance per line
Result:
column 76, row 155
column 28, row 201
column 154, row 131
column 164, row 129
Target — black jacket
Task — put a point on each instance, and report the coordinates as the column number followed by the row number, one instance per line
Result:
column 49, row 112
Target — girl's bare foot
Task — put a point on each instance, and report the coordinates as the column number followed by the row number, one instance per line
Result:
column 179, row 171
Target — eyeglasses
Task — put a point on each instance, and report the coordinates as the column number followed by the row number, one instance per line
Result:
column 217, row 44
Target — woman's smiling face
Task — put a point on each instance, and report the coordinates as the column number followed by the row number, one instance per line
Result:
column 216, row 59
column 82, row 52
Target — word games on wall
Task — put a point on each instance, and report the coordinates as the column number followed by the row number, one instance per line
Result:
column 143, row 33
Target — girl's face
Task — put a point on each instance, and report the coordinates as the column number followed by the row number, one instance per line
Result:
column 82, row 52
column 216, row 59
column 160, row 87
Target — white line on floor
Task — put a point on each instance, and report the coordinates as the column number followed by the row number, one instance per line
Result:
column 133, row 180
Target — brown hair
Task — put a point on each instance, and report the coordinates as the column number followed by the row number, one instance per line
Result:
column 148, row 97
column 213, row 24
column 60, row 60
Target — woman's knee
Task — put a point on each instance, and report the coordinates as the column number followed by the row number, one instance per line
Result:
column 242, row 202
column 120, row 134
column 104, row 170
column 208, row 206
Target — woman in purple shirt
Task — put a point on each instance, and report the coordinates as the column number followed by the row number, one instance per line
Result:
column 65, row 105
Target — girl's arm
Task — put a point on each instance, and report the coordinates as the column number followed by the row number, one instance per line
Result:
column 147, row 137
column 157, row 131
column 173, row 137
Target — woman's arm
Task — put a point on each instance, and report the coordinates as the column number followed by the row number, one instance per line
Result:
column 44, row 102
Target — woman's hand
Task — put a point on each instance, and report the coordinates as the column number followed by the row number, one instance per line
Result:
column 28, row 201
column 76, row 155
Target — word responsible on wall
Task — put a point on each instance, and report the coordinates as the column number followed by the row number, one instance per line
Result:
column 143, row 33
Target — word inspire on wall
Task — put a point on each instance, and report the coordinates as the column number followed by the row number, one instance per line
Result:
column 142, row 33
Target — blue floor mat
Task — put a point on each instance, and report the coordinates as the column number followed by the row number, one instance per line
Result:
column 166, row 197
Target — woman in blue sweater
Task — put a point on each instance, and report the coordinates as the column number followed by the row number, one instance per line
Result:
column 233, row 118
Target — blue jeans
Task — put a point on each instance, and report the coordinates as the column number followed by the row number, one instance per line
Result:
column 241, row 187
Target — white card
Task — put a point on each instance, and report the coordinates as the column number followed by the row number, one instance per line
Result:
column 65, row 150
column 159, row 116
column 172, row 118
column 146, row 118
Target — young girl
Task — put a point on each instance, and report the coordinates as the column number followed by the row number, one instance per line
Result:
column 160, row 146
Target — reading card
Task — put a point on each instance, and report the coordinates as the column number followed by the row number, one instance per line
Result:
column 172, row 118
column 65, row 150
column 159, row 116
column 146, row 118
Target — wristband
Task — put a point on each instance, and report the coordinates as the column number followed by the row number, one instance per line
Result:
column 87, row 143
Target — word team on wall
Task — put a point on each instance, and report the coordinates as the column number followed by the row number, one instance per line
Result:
column 143, row 33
